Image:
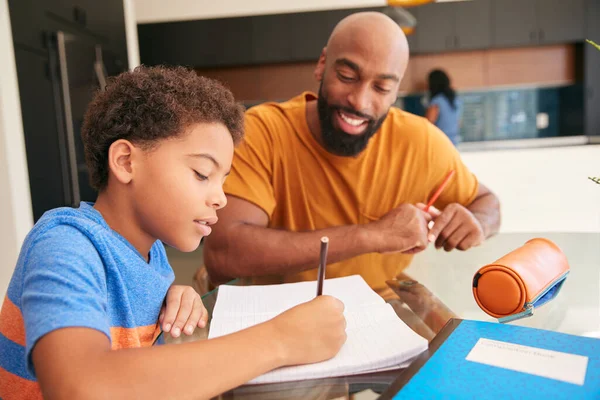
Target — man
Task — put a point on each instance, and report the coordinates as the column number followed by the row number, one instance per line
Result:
column 349, row 166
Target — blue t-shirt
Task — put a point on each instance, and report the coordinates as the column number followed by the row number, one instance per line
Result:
column 449, row 116
column 75, row 271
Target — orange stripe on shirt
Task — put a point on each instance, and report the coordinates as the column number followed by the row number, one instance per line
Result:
column 13, row 387
column 11, row 322
column 126, row 338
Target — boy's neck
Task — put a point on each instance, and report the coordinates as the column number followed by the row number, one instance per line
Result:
column 120, row 217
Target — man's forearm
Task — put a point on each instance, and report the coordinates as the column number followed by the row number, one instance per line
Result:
column 487, row 211
column 254, row 251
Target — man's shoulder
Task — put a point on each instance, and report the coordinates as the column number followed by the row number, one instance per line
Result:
column 274, row 112
column 400, row 121
column 276, row 124
column 405, row 130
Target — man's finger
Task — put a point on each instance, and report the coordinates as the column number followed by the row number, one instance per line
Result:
column 434, row 212
column 447, row 232
column 414, row 250
column 471, row 240
column 456, row 237
column 440, row 224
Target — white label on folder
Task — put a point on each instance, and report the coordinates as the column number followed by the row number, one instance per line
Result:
column 564, row 367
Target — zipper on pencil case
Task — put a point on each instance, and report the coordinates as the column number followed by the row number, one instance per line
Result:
column 529, row 307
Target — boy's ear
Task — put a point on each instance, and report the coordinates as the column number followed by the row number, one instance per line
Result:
column 320, row 68
column 120, row 160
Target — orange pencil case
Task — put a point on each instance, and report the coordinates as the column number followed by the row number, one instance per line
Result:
column 526, row 278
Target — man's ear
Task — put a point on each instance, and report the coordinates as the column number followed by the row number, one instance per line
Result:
column 121, row 156
column 320, row 68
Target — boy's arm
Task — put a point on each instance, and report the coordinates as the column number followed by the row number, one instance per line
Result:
column 78, row 362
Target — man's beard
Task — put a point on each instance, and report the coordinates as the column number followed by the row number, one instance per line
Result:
column 337, row 141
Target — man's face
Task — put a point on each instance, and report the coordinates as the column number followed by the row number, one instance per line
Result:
column 359, row 84
column 180, row 185
column 344, row 130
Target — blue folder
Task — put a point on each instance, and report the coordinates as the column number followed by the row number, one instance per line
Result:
column 447, row 374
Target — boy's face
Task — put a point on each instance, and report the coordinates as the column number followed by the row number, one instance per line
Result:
column 178, row 185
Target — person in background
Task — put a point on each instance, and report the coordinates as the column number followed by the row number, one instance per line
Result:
column 444, row 107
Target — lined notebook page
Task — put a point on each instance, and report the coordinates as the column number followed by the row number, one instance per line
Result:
column 377, row 338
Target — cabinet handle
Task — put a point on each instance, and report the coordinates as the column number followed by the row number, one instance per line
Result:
column 456, row 42
column 541, row 35
column 80, row 16
column 448, row 42
column 54, row 75
column 68, row 119
column 533, row 36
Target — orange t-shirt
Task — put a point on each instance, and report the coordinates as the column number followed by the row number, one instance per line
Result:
column 282, row 169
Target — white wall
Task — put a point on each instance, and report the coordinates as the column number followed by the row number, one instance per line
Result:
column 15, row 201
column 148, row 11
column 543, row 189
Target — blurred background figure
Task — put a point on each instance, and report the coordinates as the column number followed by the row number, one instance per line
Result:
column 444, row 108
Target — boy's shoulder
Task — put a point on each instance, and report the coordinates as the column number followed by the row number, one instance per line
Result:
column 80, row 231
column 67, row 222
column 60, row 231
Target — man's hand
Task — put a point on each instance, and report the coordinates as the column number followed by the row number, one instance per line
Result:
column 403, row 229
column 454, row 228
column 183, row 311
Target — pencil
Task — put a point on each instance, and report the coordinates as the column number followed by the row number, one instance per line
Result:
column 439, row 190
column 322, row 265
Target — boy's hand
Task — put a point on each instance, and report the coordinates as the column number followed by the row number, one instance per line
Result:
column 311, row 332
column 183, row 311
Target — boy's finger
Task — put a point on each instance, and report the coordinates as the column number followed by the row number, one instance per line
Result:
column 195, row 316
column 171, row 308
column 204, row 317
column 185, row 309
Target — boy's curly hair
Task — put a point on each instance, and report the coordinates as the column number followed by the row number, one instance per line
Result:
column 149, row 104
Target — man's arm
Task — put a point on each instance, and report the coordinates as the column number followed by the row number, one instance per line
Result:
column 241, row 245
column 486, row 208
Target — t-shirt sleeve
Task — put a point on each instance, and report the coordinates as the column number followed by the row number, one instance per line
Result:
column 442, row 158
column 251, row 174
column 436, row 101
column 64, row 285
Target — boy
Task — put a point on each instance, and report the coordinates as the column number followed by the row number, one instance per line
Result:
column 159, row 144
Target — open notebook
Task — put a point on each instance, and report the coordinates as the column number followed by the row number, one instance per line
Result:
column 377, row 338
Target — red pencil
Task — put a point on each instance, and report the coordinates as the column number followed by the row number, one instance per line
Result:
column 439, row 190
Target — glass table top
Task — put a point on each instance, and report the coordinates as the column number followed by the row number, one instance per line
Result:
column 438, row 287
